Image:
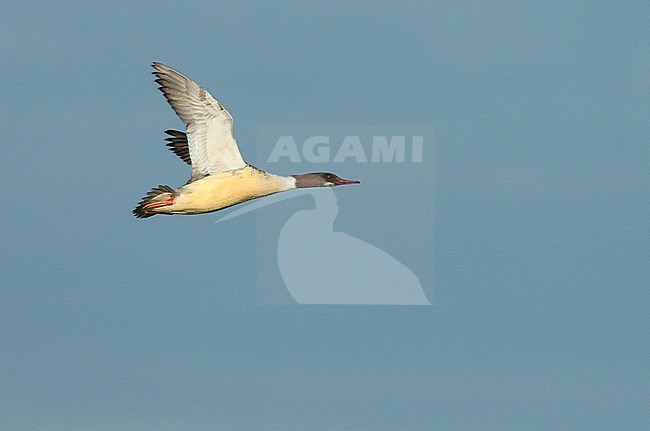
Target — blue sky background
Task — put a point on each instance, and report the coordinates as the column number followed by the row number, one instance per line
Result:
column 541, row 205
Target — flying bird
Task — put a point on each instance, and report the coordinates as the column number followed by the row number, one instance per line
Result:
column 220, row 177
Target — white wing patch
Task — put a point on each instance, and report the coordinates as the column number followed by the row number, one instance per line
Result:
column 210, row 135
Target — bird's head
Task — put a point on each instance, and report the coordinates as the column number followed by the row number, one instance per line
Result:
column 321, row 179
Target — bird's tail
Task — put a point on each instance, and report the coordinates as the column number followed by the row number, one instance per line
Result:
column 156, row 197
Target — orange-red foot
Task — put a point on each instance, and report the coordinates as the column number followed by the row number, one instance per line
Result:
column 157, row 204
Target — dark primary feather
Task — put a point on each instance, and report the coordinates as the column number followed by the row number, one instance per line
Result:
column 177, row 143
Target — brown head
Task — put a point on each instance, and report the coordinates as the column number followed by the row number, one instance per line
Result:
column 321, row 179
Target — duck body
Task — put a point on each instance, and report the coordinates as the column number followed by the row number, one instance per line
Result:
column 222, row 190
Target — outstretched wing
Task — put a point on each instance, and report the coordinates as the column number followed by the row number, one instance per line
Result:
column 209, row 126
